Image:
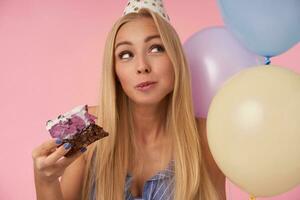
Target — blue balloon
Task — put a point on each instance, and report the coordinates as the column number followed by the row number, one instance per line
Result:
column 267, row 27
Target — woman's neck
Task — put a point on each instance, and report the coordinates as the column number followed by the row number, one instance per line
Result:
column 149, row 122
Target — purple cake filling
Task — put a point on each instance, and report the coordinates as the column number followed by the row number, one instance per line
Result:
column 71, row 123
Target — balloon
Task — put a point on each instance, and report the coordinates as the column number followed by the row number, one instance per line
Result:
column 214, row 55
column 267, row 27
column 253, row 130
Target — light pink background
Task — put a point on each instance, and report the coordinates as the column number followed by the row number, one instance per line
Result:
column 50, row 58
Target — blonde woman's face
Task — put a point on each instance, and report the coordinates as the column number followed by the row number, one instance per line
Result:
column 139, row 57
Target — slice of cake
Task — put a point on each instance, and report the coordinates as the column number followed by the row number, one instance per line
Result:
column 77, row 127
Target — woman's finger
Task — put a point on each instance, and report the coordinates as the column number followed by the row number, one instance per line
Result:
column 59, row 153
column 46, row 148
column 66, row 161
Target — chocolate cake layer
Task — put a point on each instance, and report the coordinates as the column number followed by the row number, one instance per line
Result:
column 87, row 136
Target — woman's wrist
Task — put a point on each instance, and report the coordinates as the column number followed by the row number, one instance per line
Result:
column 48, row 190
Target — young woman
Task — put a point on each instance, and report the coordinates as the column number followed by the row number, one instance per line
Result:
column 156, row 149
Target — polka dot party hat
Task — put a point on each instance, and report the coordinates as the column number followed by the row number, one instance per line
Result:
column 133, row 6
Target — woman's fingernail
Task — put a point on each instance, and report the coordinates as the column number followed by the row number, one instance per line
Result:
column 58, row 141
column 83, row 149
column 67, row 146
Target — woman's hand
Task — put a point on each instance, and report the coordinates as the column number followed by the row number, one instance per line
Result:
column 49, row 161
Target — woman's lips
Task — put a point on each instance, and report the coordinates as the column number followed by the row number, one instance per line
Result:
column 142, row 84
column 146, row 87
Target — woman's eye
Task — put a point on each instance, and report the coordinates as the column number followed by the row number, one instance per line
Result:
column 157, row 48
column 125, row 55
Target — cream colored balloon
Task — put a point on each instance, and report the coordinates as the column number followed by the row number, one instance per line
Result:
column 253, row 127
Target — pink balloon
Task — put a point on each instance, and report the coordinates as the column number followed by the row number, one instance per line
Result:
column 214, row 55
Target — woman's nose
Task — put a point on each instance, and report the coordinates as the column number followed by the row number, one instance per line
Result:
column 143, row 66
column 144, row 69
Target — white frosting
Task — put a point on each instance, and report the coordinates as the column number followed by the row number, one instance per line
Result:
column 78, row 110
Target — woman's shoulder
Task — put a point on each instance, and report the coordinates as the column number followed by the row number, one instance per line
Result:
column 73, row 176
column 72, row 179
column 93, row 110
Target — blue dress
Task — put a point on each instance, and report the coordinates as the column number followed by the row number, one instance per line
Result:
column 159, row 187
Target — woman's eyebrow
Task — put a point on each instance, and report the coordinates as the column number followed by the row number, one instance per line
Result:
column 147, row 39
column 123, row 43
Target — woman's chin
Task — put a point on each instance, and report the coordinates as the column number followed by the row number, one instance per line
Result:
column 147, row 101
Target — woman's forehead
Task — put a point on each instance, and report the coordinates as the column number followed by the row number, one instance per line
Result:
column 137, row 29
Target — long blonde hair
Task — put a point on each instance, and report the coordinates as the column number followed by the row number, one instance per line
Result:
column 112, row 154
